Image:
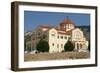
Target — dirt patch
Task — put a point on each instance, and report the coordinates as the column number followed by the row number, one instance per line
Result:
column 56, row 56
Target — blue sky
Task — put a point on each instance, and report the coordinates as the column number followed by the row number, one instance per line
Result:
column 32, row 19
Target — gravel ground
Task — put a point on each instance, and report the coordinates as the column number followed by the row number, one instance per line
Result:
column 56, row 56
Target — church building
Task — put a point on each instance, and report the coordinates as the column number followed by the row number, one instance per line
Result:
column 59, row 35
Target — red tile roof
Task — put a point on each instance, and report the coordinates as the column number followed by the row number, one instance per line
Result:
column 67, row 21
column 45, row 26
column 63, row 31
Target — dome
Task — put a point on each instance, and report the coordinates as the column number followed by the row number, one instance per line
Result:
column 67, row 24
column 67, row 21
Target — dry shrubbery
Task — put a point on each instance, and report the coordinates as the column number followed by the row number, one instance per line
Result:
column 56, row 56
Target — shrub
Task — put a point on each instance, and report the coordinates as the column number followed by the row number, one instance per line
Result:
column 42, row 46
column 69, row 46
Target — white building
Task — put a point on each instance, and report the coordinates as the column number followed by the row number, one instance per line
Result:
column 58, row 36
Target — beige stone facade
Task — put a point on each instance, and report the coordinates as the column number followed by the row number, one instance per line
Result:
column 58, row 36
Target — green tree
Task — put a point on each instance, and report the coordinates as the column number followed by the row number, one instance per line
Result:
column 42, row 46
column 69, row 46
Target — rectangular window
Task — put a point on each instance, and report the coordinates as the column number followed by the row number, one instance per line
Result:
column 58, row 36
column 53, row 34
column 61, row 45
column 65, row 37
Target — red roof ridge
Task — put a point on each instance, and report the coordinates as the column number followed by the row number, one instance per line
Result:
column 67, row 21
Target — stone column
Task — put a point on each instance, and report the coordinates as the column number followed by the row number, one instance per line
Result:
column 75, row 46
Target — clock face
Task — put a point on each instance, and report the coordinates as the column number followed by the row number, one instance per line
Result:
column 78, row 35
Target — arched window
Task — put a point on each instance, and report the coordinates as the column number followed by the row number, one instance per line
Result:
column 53, row 33
column 65, row 37
column 61, row 37
column 78, row 35
column 52, row 44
